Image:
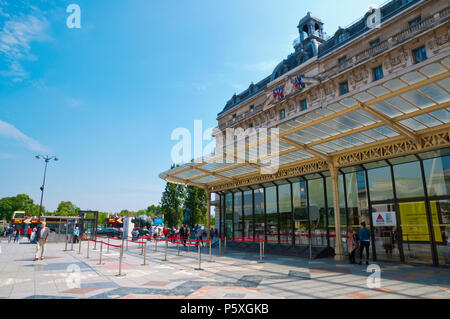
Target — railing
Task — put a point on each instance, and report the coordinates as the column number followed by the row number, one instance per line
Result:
column 257, row 109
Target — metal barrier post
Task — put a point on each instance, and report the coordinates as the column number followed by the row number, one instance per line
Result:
column 79, row 246
column 67, row 239
column 260, row 252
column 263, row 247
column 220, row 247
column 199, row 258
column 87, row 256
column 225, row 246
column 95, row 243
column 71, row 239
column 120, row 262
column 107, row 249
column 156, row 245
column 210, row 252
column 101, row 249
column 178, row 243
column 165, row 250
column 145, row 251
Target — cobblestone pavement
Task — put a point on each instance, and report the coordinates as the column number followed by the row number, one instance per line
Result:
column 234, row 275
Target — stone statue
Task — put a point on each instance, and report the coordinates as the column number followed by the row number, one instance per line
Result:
column 144, row 222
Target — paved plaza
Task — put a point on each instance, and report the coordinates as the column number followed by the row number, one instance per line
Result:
column 234, row 275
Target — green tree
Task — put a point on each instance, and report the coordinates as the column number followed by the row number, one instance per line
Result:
column 171, row 204
column 196, row 203
column 20, row 202
column 67, row 209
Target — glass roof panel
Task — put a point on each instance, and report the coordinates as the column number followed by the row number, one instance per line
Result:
column 432, row 69
column 445, row 83
column 333, row 146
column 436, row 93
column 442, row 115
column 302, row 138
column 386, row 130
column 402, row 105
column 303, row 119
column 417, row 99
column 325, row 129
column 314, row 115
column 347, row 122
column 336, row 107
column 428, row 120
column 342, row 143
column 394, row 84
column 446, row 62
column 355, row 116
column 369, row 116
column 324, row 112
column 386, row 109
column 335, row 125
column 363, row 96
column 311, row 131
column 378, row 91
column 374, row 134
column 322, row 148
column 348, row 102
column 413, row 124
column 362, row 137
column 413, row 77
column 352, row 140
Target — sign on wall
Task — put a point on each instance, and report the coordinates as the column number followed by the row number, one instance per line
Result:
column 384, row 219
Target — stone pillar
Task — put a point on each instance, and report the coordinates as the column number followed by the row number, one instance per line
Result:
column 338, row 248
column 208, row 215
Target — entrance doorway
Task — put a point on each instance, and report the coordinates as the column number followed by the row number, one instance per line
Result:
column 386, row 239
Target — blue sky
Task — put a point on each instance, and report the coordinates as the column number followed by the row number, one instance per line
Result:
column 105, row 98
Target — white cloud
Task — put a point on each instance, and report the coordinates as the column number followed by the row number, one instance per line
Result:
column 6, row 156
column 16, row 37
column 9, row 131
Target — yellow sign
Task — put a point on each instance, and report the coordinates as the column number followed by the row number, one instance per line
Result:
column 415, row 223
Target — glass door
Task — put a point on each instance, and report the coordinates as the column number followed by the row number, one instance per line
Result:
column 385, row 230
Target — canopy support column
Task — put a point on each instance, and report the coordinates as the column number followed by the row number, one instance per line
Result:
column 338, row 247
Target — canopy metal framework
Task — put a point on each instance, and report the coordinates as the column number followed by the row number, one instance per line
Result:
column 402, row 107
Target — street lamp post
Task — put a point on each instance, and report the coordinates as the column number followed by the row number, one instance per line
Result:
column 46, row 159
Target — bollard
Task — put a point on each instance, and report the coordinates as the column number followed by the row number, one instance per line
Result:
column 120, row 262
column 178, row 243
column 199, row 258
column 79, row 246
column 220, row 246
column 95, row 243
column 210, row 252
column 101, row 249
column 107, row 249
column 225, row 246
column 156, row 245
column 263, row 248
column 87, row 255
column 165, row 251
column 71, row 239
column 260, row 252
column 145, row 252
column 67, row 239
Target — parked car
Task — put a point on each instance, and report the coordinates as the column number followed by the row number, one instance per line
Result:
column 110, row 232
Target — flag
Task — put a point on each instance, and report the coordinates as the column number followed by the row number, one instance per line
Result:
column 278, row 92
column 298, row 82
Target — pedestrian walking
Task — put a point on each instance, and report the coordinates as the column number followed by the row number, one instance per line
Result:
column 41, row 240
column 29, row 231
column 364, row 237
column 10, row 233
column 76, row 235
column 352, row 244
column 33, row 235
column 17, row 235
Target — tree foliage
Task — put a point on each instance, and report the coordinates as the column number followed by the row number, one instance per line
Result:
column 20, row 202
